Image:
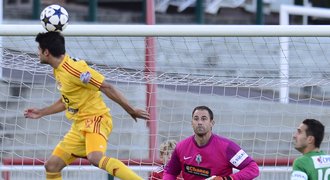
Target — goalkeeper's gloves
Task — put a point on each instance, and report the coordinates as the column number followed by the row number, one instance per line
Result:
column 219, row 178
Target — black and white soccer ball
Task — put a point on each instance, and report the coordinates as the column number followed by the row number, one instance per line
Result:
column 54, row 18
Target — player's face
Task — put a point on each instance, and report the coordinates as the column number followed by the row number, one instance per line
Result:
column 42, row 56
column 300, row 138
column 201, row 122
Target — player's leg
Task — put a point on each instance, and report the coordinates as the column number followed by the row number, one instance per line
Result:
column 95, row 148
column 53, row 167
column 62, row 155
column 96, row 130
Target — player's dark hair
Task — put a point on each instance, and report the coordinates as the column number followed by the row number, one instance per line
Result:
column 53, row 41
column 203, row 108
column 315, row 128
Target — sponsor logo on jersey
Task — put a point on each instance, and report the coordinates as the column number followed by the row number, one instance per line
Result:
column 298, row 175
column 198, row 171
column 72, row 110
column 238, row 158
column 321, row 161
column 187, row 157
column 85, row 77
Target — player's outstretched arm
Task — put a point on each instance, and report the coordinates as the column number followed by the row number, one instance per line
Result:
column 111, row 92
column 249, row 171
column 35, row 113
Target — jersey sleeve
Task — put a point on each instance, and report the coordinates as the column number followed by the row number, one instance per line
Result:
column 239, row 159
column 89, row 77
column 237, row 156
column 298, row 175
column 173, row 167
column 298, row 170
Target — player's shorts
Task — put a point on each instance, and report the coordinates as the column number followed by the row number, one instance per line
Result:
column 85, row 137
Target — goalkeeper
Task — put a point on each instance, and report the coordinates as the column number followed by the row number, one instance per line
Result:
column 208, row 156
column 314, row 163
column 81, row 88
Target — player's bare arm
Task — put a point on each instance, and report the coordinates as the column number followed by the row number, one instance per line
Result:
column 111, row 92
column 35, row 113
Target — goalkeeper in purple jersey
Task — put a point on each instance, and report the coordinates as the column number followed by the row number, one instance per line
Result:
column 314, row 164
column 208, row 156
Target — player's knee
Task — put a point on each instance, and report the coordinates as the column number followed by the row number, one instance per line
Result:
column 94, row 158
column 53, row 166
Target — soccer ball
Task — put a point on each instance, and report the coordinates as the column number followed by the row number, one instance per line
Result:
column 54, row 18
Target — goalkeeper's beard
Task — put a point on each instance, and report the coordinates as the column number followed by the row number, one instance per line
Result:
column 200, row 131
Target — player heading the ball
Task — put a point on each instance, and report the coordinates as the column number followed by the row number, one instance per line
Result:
column 81, row 86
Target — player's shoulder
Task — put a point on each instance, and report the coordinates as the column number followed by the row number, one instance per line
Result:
column 185, row 142
column 76, row 61
column 302, row 160
column 220, row 139
column 301, row 163
column 224, row 143
column 78, row 65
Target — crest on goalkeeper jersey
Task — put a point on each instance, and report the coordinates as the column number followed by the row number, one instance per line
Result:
column 198, row 159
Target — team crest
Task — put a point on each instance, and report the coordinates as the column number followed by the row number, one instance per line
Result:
column 198, row 159
column 88, row 123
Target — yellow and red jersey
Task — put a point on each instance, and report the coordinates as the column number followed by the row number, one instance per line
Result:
column 79, row 85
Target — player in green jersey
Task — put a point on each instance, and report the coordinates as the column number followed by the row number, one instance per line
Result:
column 314, row 164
